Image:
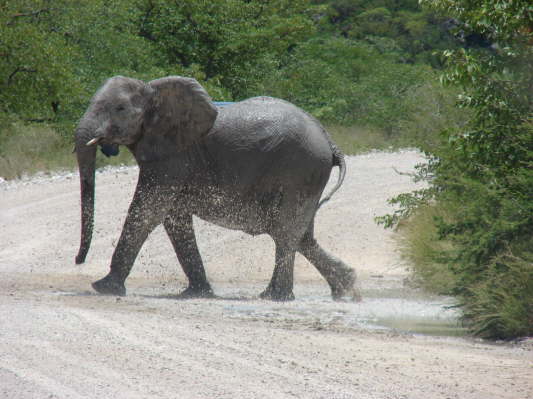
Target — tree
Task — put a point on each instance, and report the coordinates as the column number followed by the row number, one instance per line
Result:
column 54, row 54
column 344, row 81
column 392, row 26
column 36, row 72
column 235, row 42
column 483, row 174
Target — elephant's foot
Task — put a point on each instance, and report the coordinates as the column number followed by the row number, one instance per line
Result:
column 109, row 286
column 277, row 294
column 197, row 292
column 344, row 287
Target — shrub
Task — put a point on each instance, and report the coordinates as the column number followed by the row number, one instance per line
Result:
column 425, row 252
column 346, row 82
column 501, row 304
column 482, row 172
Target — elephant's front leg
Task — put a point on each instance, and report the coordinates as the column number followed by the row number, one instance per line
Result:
column 281, row 284
column 146, row 211
column 181, row 233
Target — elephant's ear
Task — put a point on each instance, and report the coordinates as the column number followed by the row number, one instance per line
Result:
column 180, row 106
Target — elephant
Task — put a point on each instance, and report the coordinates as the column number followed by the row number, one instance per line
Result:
column 258, row 165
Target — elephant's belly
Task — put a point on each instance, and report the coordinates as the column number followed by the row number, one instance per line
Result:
column 233, row 224
column 248, row 222
column 236, row 213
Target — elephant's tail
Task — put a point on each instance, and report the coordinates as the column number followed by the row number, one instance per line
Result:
column 338, row 160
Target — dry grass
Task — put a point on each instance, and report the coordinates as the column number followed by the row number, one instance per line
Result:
column 25, row 150
column 28, row 149
column 356, row 140
column 423, row 250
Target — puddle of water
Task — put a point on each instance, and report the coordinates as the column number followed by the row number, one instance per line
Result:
column 385, row 307
column 425, row 327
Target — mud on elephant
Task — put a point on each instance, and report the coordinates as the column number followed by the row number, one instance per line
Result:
column 259, row 166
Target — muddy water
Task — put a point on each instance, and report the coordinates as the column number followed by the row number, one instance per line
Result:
column 387, row 305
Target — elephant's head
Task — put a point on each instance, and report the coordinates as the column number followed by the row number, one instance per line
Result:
column 126, row 111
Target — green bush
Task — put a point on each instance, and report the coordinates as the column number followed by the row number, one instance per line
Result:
column 53, row 58
column 401, row 28
column 482, row 173
column 320, row 76
column 342, row 81
column 382, row 94
column 496, row 299
column 501, row 304
column 430, row 110
column 236, row 42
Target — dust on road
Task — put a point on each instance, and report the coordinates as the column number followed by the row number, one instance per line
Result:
column 58, row 339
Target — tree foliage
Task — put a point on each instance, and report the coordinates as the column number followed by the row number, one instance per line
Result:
column 483, row 173
column 393, row 26
column 234, row 42
column 35, row 61
column 53, row 54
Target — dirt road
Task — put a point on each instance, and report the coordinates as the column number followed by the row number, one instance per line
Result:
column 58, row 339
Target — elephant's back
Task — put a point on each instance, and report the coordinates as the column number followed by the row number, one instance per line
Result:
column 267, row 127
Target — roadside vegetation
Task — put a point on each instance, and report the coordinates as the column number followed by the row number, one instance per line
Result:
column 358, row 66
column 368, row 69
column 470, row 233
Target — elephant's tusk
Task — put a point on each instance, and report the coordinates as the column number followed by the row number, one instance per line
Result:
column 93, row 141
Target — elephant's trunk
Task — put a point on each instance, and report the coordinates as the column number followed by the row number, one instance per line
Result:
column 86, row 156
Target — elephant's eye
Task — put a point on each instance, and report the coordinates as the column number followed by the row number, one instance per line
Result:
column 120, row 108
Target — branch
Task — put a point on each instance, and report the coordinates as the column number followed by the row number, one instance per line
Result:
column 30, row 14
column 17, row 70
column 27, row 14
column 261, row 9
column 39, row 120
column 143, row 31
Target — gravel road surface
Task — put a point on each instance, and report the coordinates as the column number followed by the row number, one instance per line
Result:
column 59, row 339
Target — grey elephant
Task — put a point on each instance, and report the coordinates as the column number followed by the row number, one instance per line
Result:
column 259, row 166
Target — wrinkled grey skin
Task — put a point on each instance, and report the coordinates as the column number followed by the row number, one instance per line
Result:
column 259, row 166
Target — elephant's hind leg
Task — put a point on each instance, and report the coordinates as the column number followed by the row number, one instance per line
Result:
column 281, row 284
column 181, row 233
column 340, row 277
